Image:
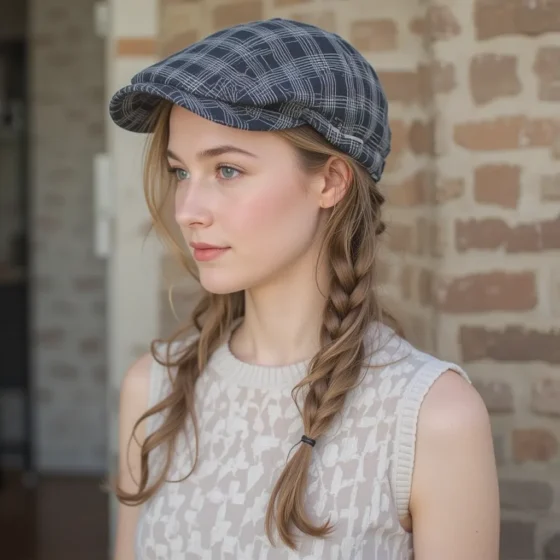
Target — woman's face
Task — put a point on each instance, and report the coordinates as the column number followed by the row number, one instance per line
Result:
column 244, row 205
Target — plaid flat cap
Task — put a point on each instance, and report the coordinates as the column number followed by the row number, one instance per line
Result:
column 270, row 75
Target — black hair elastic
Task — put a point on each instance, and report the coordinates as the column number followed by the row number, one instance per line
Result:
column 304, row 439
column 308, row 440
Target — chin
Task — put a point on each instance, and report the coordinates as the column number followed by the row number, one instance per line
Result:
column 220, row 283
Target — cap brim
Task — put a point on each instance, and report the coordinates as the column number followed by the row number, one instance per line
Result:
column 132, row 107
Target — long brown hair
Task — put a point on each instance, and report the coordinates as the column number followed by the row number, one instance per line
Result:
column 350, row 247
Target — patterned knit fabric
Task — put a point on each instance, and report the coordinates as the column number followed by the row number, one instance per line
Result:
column 360, row 474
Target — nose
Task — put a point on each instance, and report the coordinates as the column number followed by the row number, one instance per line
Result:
column 192, row 206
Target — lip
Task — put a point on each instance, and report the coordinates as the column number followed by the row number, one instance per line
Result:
column 204, row 246
column 203, row 252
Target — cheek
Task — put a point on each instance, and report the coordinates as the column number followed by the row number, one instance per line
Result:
column 272, row 215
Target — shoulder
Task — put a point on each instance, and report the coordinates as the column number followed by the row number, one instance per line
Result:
column 451, row 407
column 453, row 425
column 135, row 385
column 455, row 482
column 453, row 421
column 148, row 378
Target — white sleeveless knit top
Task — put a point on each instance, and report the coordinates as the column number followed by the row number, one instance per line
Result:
column 360, row 474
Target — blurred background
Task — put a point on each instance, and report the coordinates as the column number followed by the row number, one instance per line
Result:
column 471, row 265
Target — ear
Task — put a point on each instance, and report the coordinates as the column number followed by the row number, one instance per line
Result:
column 336, row 177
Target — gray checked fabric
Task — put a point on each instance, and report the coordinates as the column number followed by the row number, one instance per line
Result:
column 360, row 475
column 270, row 75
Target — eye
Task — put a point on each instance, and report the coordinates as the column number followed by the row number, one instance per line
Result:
column 228, row 172
column 181, row 174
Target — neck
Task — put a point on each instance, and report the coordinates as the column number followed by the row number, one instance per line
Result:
column 282, row 320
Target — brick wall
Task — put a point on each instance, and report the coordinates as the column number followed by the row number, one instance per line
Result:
column 473, row 247
column 496, row 288
column 66, row 80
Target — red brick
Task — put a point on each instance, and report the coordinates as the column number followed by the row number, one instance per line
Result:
column 524, row 238
column 374, row 34
column 491, row 291
column 400, row 237
column 135, row 46
column 439, row 24
column 399, row 138
column 515, row 17
column 550, row 233
column 409, row 87
column 499, row 185
column 413, row 191
column 422, row 137
column 436, row 77
column 488, row 233
column 179, row 42
column 418, row 26
column 497, row 395
column 493, row 76
column 547, row 69
column 238, row 12
column 535, row 444
column 507, row 133
column 545, row 397
column 442, row 23
column 512, row 344
column 400, row 85
column 494, row 233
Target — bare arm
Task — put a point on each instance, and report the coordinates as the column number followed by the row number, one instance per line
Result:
column 454, row 500
column 133, row 403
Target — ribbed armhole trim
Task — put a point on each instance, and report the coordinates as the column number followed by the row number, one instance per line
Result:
column 407, row 420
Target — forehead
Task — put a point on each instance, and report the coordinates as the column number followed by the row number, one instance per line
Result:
column 188, row 129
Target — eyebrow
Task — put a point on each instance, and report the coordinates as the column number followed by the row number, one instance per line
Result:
column 214, row 152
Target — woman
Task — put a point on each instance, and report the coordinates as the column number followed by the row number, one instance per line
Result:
column 293, row 423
